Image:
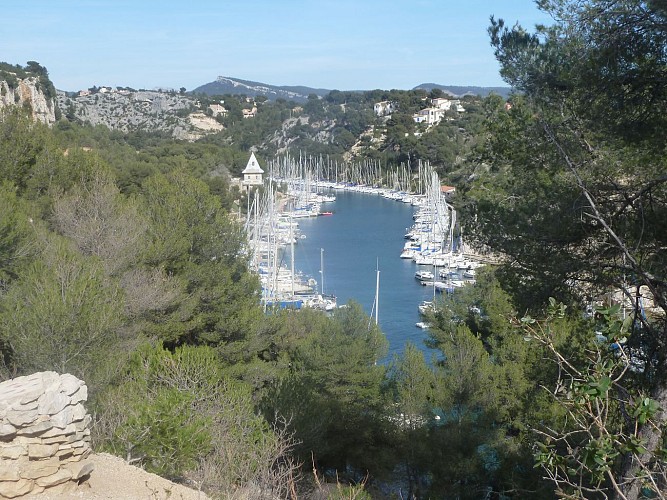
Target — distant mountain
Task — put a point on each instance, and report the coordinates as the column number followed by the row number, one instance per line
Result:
column 226, row 85
column 460, row 91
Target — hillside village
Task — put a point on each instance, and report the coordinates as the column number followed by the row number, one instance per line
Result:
column 431, row 115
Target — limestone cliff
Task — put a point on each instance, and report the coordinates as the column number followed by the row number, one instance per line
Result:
column 144, row 110
column 27, row 92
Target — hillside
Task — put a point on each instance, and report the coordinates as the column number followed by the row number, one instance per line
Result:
column 460, row 91
column 343, row 126
column 173, row 114
column 234, row 86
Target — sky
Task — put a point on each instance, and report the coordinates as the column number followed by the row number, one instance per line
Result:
column 330, row 44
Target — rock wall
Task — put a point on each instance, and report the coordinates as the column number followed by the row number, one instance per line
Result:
column 44, row 434
column 27, row 93
column 145, row 110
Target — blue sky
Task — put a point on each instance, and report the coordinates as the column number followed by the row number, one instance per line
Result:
column 333, row 44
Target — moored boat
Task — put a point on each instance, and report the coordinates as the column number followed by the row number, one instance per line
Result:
column 424, row 275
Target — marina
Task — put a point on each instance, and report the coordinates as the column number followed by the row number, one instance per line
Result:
column 322, row 244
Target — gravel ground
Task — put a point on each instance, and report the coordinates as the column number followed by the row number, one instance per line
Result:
column 113, row 479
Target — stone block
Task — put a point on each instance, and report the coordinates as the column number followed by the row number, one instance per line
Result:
column 63, row 418
column 7, row 431
column 52, row 403
column 64, row 488
column 78, row 413
column 59, row 477
column 13, row 489
column 80, row 470
column 67, row 454
column 80, row 396
column 37, row 451
column 21, row 418
column 69, row 384
column 33, row 471
column 12, row 451
column 36, row 428
column 36, row 490
column 31, row 405
column 84, row 424
column 58, row 439
column 9, row 471
column 26, row 440
column 59, row 431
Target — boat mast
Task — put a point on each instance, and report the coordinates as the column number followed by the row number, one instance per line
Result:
column 291, row 239
column 377, row 290
column 322, row 270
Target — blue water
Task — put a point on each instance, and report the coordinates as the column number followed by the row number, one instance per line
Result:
column 364, row 232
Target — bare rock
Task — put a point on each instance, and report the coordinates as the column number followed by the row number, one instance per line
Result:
column 80, row 469
column 59, row 477
column 12, row 452
column 52, row 403
column 13, row 489
column 37, row 451
column 7, row 431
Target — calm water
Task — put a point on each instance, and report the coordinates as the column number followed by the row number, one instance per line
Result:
column 364, row 231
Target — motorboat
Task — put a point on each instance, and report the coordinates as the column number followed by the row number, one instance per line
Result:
column 424, row 275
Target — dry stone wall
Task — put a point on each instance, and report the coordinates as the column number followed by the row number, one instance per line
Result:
column 44, row 434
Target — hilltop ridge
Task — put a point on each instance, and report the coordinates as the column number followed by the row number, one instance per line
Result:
column 299, row 93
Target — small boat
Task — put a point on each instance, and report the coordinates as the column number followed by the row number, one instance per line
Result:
column 409, row 253
column 326, row 213
column 424, row 275
column 426, row 306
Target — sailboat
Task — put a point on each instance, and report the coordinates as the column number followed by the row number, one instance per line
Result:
column 376, row 302
column 322, row 300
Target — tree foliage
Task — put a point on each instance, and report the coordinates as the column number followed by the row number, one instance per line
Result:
column 573, row 197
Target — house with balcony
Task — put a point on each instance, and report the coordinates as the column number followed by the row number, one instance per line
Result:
column 429, row 116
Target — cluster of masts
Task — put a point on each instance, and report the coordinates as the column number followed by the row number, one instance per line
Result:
column 271, row 226
column 324, row 172
column 298, row 188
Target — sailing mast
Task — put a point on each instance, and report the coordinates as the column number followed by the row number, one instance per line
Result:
column 322, row 270
column 291, row 239
column 377, row 290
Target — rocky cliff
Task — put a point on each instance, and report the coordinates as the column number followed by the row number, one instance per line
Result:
column 28, row 92
column 127, row 111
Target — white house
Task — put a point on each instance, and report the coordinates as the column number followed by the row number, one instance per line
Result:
column 447, row 104
column 217, row 109
column 430, row 116
column 249, row 113
column 384, row 108
column 252, row 175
